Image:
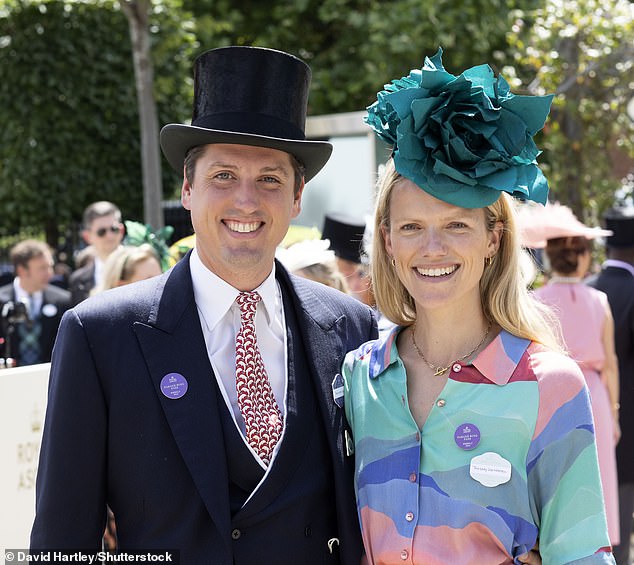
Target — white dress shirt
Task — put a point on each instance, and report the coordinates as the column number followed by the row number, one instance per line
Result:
column 220, row 321
column 33, row 302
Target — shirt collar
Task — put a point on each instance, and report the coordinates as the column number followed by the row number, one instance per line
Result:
column 497, row 361
column 214, row 296
column 619, row 264
column 22, row 295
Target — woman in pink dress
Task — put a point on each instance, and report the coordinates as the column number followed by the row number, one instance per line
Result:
column 588, row 331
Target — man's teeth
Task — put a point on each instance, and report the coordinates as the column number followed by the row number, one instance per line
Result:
column 241, row 227
column 437, row 272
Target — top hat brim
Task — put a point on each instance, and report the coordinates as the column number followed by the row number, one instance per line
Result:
column 178, row 139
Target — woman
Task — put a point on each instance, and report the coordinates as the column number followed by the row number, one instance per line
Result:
column 313, row 259
column 128, row 264
column 472, row 433
column 588, row 330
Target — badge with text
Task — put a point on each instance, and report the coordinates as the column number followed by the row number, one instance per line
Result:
column 467, row 436
column 174, row 385
column 337, row 390
column 490, row 469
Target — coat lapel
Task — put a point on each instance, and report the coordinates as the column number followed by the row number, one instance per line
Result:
column 321, row 330
column 172, row 342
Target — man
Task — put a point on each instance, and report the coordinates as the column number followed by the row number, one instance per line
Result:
column 617, row 281
column 31, row 308
column 151, row 407
column 103, row 232
column 345, row 234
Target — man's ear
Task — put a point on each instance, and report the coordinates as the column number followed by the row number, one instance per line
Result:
column 186, row 194
column 86, row 236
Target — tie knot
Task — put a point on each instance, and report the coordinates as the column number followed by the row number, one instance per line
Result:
column 248, row 302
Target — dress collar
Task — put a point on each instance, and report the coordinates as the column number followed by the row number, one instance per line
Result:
column 497, row 361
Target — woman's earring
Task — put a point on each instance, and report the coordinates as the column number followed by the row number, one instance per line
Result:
column 488, row 261
column 393, row 262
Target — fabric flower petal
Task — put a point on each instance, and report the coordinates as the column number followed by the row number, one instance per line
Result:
column 463, row 139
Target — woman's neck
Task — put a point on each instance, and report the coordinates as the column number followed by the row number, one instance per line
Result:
column 443, row 339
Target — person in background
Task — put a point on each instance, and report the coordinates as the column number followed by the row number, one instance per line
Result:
column 203, row 405
column 345, row 234
column 128, row 264
column 473, row 436
column 587, row 327
column 312, row 259
column 616, row 279
column 103, row 232
column 30, row 340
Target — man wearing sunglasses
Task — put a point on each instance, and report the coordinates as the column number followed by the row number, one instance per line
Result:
column 103, row 232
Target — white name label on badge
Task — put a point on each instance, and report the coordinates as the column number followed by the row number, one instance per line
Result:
column 490, row 469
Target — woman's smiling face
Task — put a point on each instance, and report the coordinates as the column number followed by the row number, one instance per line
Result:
column 439, row 248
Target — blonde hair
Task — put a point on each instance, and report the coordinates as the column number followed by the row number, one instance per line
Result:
column 503, row 293
column 122, row 263
column 325, row 273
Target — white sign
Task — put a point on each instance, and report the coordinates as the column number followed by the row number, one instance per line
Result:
column 23, row 394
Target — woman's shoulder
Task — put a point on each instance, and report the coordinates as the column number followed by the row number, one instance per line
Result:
column 553, row 368
column 376, row 354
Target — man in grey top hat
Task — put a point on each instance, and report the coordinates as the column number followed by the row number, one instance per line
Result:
column 616, row 279
column 204, row 407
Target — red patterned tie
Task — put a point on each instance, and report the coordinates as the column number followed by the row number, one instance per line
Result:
column 261, row 414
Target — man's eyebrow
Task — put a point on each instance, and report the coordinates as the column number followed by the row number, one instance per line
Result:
column 221, row 165
column 276, row 169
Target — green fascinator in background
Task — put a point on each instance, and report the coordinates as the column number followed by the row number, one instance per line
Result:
column 462, row 139
column 138, row 234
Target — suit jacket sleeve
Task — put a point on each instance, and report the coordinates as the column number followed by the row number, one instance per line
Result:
column 73, row 448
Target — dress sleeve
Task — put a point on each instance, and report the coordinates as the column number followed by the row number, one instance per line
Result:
column 562, row 468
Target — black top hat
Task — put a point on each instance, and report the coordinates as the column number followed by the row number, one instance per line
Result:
column 621, row 222
column 345, row 234
column 248, row 96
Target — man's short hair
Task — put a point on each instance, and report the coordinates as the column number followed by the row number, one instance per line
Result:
column 99, row 210
column 23, row 252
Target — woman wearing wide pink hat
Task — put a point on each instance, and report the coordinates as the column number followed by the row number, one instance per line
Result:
column 587, row 326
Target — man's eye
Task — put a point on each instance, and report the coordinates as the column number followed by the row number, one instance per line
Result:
column 271, row 179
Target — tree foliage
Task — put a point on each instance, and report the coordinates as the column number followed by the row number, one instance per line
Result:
column 353, row 46
column 70, row 123
column 68, row 107
column 582, row 50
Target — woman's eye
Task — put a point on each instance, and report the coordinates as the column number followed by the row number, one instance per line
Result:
column 409, row 227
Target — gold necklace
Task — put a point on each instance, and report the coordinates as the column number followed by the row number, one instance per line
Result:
column 438, row 370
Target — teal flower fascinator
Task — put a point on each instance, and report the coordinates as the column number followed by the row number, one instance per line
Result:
column 462, row 139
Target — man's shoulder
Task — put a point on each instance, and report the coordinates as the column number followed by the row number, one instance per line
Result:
column 6, row 291
column 56, row 293
column 328, row 297
column 125, row 302
column 81, row 273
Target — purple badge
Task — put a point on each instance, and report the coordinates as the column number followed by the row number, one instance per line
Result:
column 467, row 436
column 174, row 385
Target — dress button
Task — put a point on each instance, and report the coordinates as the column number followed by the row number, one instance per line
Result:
column 441, row 402
column 412, row 478
column 404, row 554
column 409, row 516
column 457, row 367
column 235, row 534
